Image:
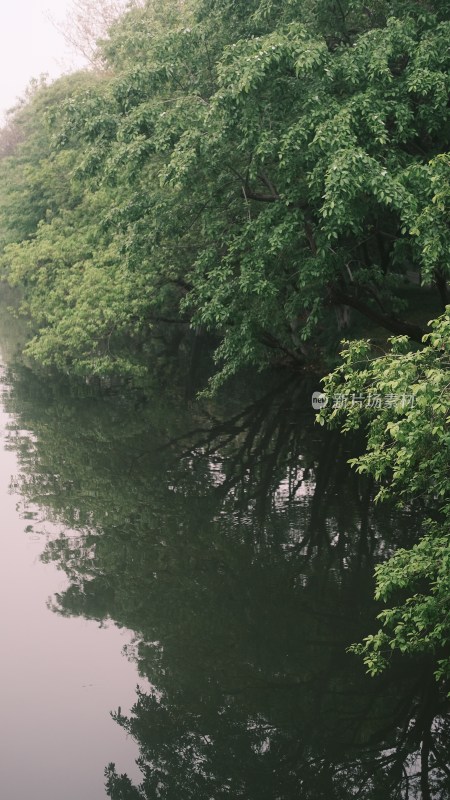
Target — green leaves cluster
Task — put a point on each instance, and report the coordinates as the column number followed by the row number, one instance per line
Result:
column 403, row 397
column 408, row 451
column 416, row 584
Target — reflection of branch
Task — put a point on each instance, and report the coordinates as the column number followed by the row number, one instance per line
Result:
column 425, row 765
column 231, row 427
column 440, row 759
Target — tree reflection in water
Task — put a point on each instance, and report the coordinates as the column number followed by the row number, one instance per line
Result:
column 240, row 548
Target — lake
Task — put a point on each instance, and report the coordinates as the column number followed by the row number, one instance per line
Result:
column 180, row 583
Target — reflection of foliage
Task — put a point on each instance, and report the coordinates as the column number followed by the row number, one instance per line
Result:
column 262, row 761
column 236, row 552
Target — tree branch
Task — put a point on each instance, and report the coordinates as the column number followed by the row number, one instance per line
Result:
column 392, row 323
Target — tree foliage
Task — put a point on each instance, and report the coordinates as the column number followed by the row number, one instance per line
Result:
column 260, row 169
column 408, row 451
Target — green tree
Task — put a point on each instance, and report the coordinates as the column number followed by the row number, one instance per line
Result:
column 89, row 313
column 292, row 170
column 34, row 175
column 267, row 173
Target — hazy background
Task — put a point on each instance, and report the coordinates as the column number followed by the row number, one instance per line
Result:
column 31, row 45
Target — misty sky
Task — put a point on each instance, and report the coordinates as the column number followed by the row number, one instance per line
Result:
column 30, row 45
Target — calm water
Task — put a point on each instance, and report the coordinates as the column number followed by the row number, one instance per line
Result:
column 199, row 571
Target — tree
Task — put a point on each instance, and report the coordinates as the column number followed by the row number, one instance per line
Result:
column 299, row 171
column 269, row 172
column 88, row 22
column 34, row 176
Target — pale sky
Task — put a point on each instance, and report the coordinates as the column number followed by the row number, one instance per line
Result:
column 30, row 45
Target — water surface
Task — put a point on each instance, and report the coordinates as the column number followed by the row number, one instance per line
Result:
column 231, row 550
column 60, row 678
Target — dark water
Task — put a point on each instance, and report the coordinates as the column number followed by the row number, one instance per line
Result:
column 221, row 558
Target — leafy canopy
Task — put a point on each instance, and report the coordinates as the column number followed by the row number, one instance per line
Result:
column 257, row 170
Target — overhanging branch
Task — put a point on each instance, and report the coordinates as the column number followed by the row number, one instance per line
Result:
column 392, row 323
